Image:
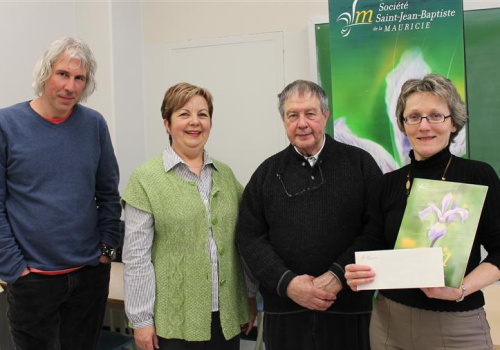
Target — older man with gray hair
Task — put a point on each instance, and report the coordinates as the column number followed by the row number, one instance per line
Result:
column 302, row 208
column 59, row 205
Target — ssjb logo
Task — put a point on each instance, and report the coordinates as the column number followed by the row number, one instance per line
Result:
column 354, row 18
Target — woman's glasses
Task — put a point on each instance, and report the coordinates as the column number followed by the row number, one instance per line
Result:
column 434, row 118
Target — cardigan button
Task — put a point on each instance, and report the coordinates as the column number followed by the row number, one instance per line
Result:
column 303, row 163
column 222, row 251
column 222, row 282
column 214, row 221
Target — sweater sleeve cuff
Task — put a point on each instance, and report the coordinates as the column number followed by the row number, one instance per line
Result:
column 285, row 280
column 338, row 271
column 15, row 276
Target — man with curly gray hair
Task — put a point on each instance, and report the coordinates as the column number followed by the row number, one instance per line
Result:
column 59, row 205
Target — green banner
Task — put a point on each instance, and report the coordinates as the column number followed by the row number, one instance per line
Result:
column 375, row 47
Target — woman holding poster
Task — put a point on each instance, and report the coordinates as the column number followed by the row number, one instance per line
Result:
column 431, row 113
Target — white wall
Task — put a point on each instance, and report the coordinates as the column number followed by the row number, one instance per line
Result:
column 179, row 23
column 24, row 34
column 128, row 39
column 113, row 30
column 128, row 89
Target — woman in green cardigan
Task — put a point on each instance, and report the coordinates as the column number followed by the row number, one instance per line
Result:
column 183, row 278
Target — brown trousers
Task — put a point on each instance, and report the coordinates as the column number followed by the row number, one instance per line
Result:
column 399, row 327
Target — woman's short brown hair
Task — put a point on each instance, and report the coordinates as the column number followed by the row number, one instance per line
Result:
column 179, row 94
column 440, row 86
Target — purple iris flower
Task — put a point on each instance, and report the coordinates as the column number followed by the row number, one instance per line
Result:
column 449, row 212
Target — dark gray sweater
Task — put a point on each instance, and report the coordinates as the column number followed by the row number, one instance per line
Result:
column 281, row 237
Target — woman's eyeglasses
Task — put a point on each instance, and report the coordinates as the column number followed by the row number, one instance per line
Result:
column 434, row 118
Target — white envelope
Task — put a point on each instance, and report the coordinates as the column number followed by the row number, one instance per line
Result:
column 403, row 268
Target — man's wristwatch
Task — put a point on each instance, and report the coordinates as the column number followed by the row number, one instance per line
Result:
column 108, row 252
column 462, row 297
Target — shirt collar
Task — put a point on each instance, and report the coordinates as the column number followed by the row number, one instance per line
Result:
column 171, row 159
column 312, row 159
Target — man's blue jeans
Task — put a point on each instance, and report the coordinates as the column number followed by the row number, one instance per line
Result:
column 59, row 312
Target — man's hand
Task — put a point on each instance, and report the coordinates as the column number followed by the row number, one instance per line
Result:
column 25, row 272
column 146, row 338
column 328, row 282
column 302, row 291
column 104, row 260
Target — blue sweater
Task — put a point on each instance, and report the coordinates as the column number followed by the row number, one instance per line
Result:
column 58, row 190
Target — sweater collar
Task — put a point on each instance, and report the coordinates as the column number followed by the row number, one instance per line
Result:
column 294, row 154
column 312, row 159
column 436, row 162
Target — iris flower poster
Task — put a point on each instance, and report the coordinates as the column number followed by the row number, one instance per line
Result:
column 443, row 214
column 376, row 45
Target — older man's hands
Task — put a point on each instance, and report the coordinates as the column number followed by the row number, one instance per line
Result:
column 314, row 293
column 328, row 282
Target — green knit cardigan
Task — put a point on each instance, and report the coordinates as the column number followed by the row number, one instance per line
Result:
column 180, row 253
